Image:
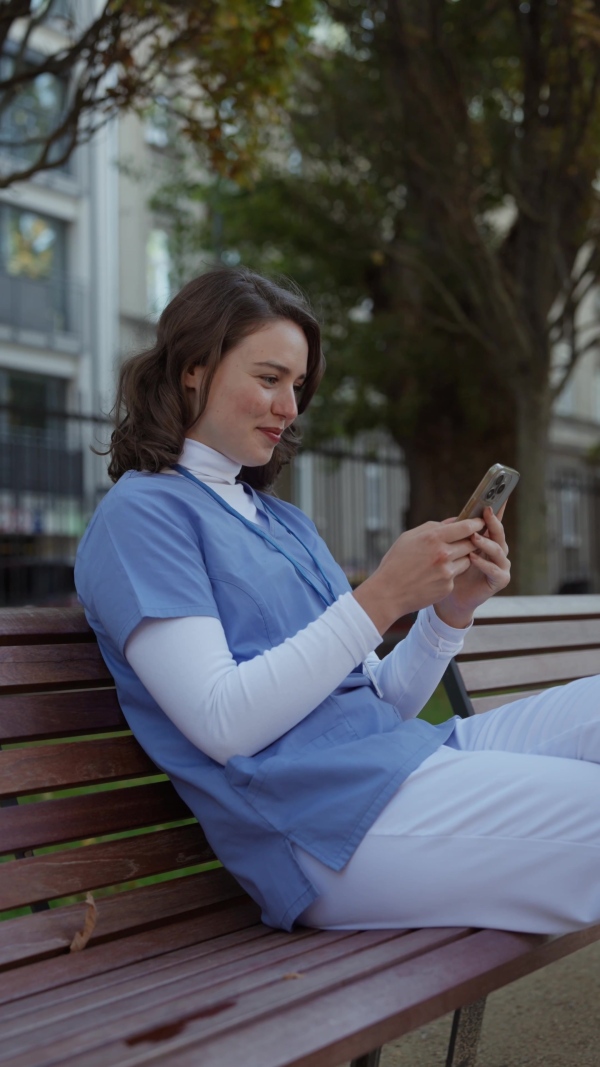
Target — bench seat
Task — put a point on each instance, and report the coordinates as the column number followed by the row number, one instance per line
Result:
column 180, row 970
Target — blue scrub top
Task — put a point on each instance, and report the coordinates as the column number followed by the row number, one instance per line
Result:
column 161, row 547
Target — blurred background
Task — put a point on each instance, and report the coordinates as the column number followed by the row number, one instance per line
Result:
column 426, row 170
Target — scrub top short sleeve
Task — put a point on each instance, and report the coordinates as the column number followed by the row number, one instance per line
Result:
column 151, row 556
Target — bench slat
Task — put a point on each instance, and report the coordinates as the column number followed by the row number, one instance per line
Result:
column 481, row 704
column 499, row 639
column 61, row 975
column 52, row 822
column 36, row 770
column 37, row 624
column 534, row 670
column 35, row 667
column 32, row 717
column 209, row 996
column 537, row 608
column 347, row 1022
column 50, row 933
column 206, row 949
column 147, row 988
column 76, row 870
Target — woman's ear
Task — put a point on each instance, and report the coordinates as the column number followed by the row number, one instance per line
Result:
column 192, row 377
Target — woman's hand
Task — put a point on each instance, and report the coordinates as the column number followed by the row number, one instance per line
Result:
column 420, row 568
column 488, row 574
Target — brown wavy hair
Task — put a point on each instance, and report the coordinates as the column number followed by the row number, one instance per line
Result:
column 208, row 317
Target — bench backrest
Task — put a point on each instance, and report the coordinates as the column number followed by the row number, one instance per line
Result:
column 72, row 781
column 522, row 645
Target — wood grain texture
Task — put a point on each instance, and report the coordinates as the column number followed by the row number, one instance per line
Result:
column 60, row 975
column 330, row 1015
column 500, row 639
column 207, row 949
column 31, row 668
column 233, row 991
column 481, row 704
column 42, row 624
column 541, row 669
column 175, row 975
column 52, row 822
column 48, row 933
column 77, row 870
column 538, row 607
column 39, row 769
column 38, row 716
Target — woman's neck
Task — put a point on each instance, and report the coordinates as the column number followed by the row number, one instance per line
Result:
column 208, row 464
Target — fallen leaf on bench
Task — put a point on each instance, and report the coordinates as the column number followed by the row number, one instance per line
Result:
column 91, row 916
column 292, row 974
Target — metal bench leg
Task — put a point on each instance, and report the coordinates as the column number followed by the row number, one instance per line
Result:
column 466, row 1029
column 370, row 1060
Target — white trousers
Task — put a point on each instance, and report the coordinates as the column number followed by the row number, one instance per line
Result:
column 500, row 828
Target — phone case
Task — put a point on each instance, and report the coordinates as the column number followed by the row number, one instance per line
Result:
column 494, row 488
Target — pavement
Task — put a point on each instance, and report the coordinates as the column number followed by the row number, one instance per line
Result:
column 548, row 1019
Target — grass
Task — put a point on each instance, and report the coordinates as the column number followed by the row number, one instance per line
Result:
column 437, row 708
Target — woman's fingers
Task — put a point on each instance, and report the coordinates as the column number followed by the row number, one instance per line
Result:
column 497, row 576
column 491, row 549
column 495, row 529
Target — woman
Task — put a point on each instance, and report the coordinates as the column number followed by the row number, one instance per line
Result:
column 245, row 665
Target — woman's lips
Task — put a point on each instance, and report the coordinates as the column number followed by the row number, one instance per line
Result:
column 273, row 435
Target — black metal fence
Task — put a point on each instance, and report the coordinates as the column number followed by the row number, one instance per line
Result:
column 51, row 481
column 574, row 529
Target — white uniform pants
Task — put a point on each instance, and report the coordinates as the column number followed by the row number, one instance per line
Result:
column 500, row 828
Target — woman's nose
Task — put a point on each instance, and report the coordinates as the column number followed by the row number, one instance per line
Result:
column 285, row 404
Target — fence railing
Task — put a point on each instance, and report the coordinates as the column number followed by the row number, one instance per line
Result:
column 51, row 481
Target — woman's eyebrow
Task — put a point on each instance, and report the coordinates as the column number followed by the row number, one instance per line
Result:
column 276, row 366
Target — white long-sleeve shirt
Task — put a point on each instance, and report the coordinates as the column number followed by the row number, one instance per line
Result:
column 228, row 709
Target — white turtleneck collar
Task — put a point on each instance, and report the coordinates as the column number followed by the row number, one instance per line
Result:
column 220, row 473
column 207, row 464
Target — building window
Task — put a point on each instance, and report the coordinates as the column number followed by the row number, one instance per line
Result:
column 32, row 114
column 32, row 245
column 33, row 276
column 158, row 272
column 158, row 126
column 32, row 406
column 570, row 507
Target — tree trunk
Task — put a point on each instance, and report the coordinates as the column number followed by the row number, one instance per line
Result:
column 533, row 418
column 444, row 468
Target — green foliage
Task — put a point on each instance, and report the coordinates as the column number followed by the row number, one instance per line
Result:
column 218, row 71
column 432, row 189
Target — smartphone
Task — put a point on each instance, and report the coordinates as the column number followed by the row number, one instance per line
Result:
column 494, row 488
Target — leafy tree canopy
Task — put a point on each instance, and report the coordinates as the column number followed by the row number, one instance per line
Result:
column 214, row 69
column 437, row 195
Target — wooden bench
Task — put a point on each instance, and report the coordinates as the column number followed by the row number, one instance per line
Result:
column 180, row 971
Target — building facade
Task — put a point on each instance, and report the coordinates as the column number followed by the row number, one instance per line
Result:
column 84, row 272
column 58, row 337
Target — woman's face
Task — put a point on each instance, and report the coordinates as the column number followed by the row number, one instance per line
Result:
column 252, row 397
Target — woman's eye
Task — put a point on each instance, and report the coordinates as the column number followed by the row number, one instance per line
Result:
column 269, row 379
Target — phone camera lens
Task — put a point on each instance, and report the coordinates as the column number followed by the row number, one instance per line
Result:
column 501, row 488
column 499, row 479
column 490, row 494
